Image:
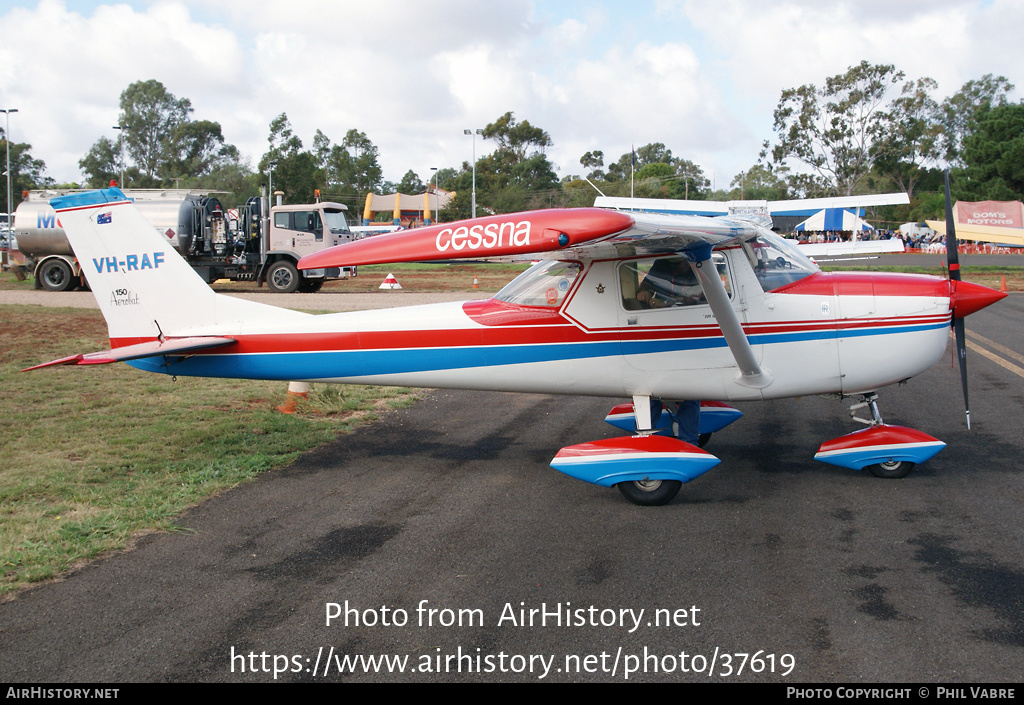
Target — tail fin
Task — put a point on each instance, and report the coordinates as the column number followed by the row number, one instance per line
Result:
column 144, row 288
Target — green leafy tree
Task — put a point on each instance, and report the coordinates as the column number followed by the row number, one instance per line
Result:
column 411, row 184
column 515, row 139
column 353, row 169
column 830, row 129
column 656, row 173
column 101, row 164
column 760, row 183
column 458, row 208
column 195, row 148
column 517, row 175
column 907, row 135
column 231, row 174
column 689, row 181
column 149, row 117
column 27, row 173
column 446, row 178
column 594, row 161
column 163, row 144
column 295, row 170
column 994, row 154
column 960, row 112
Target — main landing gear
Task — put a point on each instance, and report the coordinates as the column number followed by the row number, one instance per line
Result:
column 649, row 466
column 883, row 450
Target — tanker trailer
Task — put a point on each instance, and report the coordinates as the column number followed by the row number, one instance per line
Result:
column 248, row 247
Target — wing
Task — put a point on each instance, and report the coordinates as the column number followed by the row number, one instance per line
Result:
column 858, row 247
column 577, row 232
column 154, row 348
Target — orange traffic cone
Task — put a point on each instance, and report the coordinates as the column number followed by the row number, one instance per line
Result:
column 476, row 284
column 296, row 391
column 1002, row 284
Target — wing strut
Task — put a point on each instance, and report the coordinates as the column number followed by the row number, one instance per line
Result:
column 751, row 373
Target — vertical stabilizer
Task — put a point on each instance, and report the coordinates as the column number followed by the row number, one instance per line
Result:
column 142, row 285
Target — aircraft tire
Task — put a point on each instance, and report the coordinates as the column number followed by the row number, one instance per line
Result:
column 310, row 286
column 702, row 439
column 891, row 470
column 650, row 493
column 282, row 277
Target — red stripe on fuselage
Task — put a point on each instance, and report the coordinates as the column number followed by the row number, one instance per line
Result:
column 513, row 335
column 867, row 284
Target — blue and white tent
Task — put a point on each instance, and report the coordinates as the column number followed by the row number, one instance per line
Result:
column 834, row 219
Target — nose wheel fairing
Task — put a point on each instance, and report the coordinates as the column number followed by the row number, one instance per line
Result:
column 882, row 445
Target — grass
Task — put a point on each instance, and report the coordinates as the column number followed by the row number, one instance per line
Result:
column 94, row 456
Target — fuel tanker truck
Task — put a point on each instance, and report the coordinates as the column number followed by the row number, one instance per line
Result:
column 258, row 244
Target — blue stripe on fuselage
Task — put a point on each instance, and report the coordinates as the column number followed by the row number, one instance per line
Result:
column 359, row 363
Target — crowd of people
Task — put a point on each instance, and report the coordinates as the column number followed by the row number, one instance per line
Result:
column 924, row 240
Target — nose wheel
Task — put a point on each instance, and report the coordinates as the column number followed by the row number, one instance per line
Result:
column 885, row 451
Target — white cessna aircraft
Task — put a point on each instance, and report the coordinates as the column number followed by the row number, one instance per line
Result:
column 630, row 305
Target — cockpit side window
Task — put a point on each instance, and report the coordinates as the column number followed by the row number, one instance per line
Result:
column 665, row 282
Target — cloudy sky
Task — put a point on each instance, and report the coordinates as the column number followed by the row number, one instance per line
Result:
column 702, row 76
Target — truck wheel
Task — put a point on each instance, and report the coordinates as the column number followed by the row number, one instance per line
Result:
column 283, row 277
column 55, row 275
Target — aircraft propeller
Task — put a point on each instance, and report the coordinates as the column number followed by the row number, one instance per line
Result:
column 953, row 262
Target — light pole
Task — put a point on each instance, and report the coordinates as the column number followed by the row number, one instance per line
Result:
column 7, row 135
column 120, row 151
column 474, row 133
column 436, row 203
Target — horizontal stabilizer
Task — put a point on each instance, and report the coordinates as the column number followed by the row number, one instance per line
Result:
column 152, row 348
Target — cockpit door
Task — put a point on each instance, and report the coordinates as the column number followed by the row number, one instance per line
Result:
column 665, row 321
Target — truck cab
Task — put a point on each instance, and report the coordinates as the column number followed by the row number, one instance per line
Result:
column 298, row 230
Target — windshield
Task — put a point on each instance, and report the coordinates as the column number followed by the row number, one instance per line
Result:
column 544, row 284
column 777, row 262
column 335, row 221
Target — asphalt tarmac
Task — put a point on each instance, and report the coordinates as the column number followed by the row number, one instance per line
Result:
column 771, row 567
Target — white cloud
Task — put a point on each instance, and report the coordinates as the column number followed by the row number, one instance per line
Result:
column 65, row 72
column 701, row 77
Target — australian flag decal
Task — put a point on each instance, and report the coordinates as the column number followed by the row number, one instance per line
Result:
column 103, row 218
